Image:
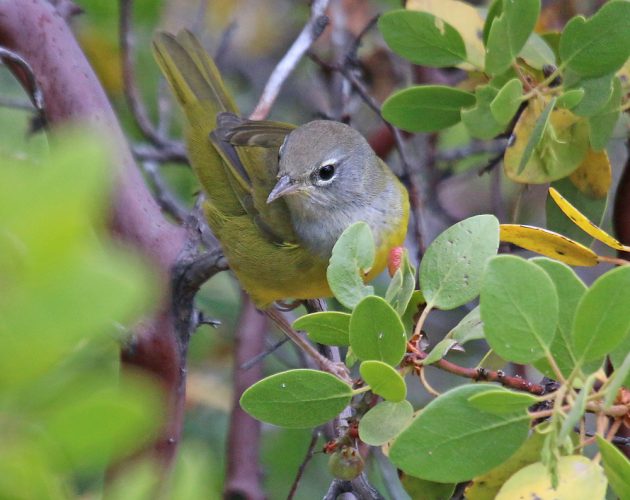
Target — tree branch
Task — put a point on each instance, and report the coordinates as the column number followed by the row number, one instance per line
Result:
column 311, row 31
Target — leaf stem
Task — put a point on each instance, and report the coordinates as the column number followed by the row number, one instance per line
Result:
column 423, row 316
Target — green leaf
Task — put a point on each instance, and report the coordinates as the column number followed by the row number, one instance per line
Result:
column 602, row 125
column 413, row 310
column 537, row 53
column 570, row 99
column 494, row 11
column 602, row 320
column 452, row 266
column 352, row 256
column 297, row 398
column 537, row 134
column 619, row 377
column 578, row 478
column 499, row 401
column 420, row 489
column 508, row 100
column 577, row 410
column 328, row 328
column 439, row 351
column 570, row 289
column 519, row 308
column 600, row 45
column 546, row 145
column 426, row 108
column 383, row 380
column 469, row 328
column 597, row 92
column 616, row 467
column 98, row 419
column 487, row 486
column 376, row 332
column 384, row 422
column 557, row 221
column 479, row 120
column 509, row 33
column 402, row 285
column 422, row 38
column 476, row 441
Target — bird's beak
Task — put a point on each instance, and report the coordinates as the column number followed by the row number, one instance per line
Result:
column 284, row 186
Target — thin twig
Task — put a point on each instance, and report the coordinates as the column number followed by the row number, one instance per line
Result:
column 262, row 355
column 132, row 93
column 167, row 201
column 311, row 31
column 475, row 147
column 18, row 63
column 174, row 152
column 307, row 458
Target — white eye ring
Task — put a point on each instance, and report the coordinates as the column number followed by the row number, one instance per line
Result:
column 325, row 173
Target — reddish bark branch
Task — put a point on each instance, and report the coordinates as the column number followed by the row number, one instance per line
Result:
column 243, row 442
column 72, row 93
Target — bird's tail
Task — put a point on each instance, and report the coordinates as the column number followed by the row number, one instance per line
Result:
column 200, row 92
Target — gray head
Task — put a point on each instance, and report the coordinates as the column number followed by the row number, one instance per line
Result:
column 325, row 164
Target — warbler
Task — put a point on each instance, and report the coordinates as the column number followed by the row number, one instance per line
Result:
column 278, row 196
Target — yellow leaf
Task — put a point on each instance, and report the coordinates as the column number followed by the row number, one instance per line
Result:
column 583, row 223
column 548, row 243
column 555, row 151
column 594, row 175
column 579, row 478
column 464, row 18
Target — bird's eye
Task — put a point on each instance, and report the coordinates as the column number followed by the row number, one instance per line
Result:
column 326, row 172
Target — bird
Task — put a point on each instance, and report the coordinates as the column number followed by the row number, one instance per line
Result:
column 278, row 196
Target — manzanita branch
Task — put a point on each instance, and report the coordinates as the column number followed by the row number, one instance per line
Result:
column 311, row 31
column 415, row 357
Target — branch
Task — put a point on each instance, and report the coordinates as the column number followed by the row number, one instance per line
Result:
column 243, row 476
column 311, row 31
column 307, row 458
column 415, row 357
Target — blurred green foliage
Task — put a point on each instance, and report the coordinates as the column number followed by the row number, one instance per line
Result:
column 65, row 411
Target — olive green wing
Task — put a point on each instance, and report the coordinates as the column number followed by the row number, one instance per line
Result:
column 237, row 180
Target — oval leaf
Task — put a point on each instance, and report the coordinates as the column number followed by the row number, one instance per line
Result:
column 519, row 308
column 547, row 144
column 383, row 380
column 509, row 33
column 439, row 351
column 500, row 401
column 570, row 290
column 422, row 38
column 616, row 467
column 464, row 18
column 508, row 100
column 594, row 175
column 602, row 320
column 476, row 441
column 376, row 332
column 600, row 45
column 452, row 266
column 545, row 242
column 578, row 477
column 328, row 328
column 384, row 422
column 297, row 398
column 426, row 108
column 469, row 328
column 352, row 257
